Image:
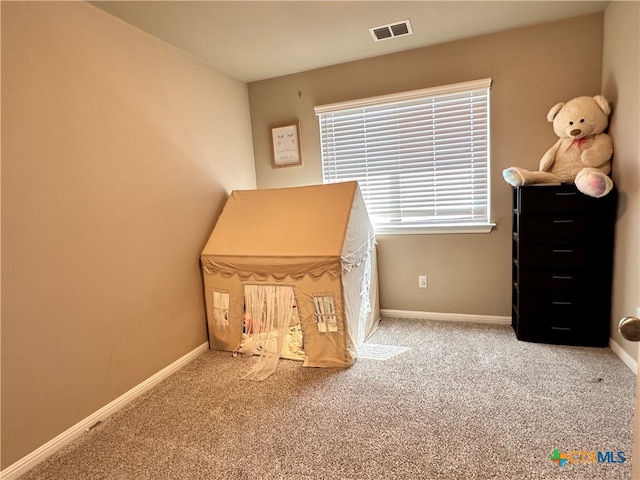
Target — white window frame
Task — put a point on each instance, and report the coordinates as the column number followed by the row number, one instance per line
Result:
column 419, row 160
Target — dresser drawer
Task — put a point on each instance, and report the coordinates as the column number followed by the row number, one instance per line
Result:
column 548, row 198
column 555, row 227
column 557, row 256
column 557, row 306
column 546, row 281
column 563, row 331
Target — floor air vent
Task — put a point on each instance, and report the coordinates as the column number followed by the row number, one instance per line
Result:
column 384, row 32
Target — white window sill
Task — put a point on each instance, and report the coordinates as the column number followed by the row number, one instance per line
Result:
column 436, row 229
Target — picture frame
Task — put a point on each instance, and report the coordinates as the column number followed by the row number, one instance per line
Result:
column 286, row 147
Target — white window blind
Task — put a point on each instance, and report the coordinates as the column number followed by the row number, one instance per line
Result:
column 421, row 157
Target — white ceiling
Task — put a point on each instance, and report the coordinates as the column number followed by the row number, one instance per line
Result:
column 255, row 40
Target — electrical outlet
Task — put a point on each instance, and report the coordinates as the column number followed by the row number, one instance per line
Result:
column 422, row 281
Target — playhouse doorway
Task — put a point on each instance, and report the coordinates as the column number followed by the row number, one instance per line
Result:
column 271, row 328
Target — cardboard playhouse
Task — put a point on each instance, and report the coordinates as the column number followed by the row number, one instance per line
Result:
column 292, row 273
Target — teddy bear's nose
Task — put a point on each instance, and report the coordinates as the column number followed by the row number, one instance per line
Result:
column 575, row 132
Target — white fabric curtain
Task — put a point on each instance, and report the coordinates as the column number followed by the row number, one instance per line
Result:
column 270, row 309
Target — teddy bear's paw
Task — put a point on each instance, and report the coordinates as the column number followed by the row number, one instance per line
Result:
column 593, row 183
column 513, row 177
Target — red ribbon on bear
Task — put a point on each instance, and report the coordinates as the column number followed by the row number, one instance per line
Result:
column 578, row 142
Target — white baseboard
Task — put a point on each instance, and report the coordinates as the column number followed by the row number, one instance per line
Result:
column 28, row 462
column 627, row 359
column 448, row 317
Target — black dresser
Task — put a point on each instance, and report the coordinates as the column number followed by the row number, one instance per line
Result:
column 562, row 265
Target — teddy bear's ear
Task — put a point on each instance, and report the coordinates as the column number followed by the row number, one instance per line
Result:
column 603, row 104
column 554, row 111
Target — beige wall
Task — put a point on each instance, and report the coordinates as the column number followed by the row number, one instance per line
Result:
column 532, row 69
column 117, row 153
column 621, row 85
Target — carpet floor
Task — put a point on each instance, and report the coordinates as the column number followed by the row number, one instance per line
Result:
column 459, row 401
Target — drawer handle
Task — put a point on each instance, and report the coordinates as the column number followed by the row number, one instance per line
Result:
column 564, row 329
column 562, row 251
column 560, row 277
column 560, row 194
column 563, row 221
column 562, row 303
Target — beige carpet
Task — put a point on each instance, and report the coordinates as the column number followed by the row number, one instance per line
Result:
column 463, row 401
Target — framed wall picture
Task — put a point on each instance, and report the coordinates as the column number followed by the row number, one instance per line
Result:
column 287, row 151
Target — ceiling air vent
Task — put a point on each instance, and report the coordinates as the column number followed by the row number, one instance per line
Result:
column 384, row 32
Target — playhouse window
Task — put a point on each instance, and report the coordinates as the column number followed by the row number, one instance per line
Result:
column 220, row 308
column 325, row 312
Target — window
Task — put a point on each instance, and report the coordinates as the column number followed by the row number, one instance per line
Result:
column 421, row 157
column 325, row 312
column 220, row 305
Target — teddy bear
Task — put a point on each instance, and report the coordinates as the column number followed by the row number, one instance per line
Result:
column 583, row 153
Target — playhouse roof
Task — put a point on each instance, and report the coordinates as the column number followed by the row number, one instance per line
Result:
column 282, row 231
